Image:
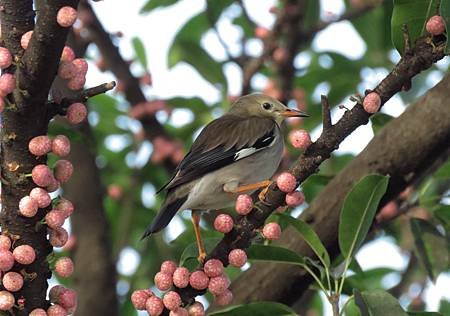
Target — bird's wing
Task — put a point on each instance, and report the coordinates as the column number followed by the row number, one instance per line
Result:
column 222, row 142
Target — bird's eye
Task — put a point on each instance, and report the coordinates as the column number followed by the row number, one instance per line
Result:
column 267, row 106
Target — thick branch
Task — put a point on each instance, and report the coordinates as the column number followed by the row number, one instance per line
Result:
column 35, row 72
column 404, row 149
column 421, row 58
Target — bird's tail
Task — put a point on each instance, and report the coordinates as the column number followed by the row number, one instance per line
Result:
column 164, row 216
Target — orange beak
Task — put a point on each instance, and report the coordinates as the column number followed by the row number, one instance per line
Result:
column 294, row 113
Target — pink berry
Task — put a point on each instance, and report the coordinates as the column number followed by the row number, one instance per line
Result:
column 76, row 113
column 225, row 298
column 63, row 170
column 55, row 292
column 223, row 223
column 6, row 301
column 154, row 306
column 172, row 300
column 294, row 199
column 5, row 242
column 244, row 204
column 53, row 186
column 25, row 40
column 139, row 298
column 199, row 280
column 213, row 268
column 196, row 309
column 435, row 25
column 81, row 66
column 5, row 58
column 280, row 55
column 42, row 175
column 300, row 139
column 64, row 267
column 68, row 298
column 65, row 206
column 58, row 237
column 271, row 231
column 372, row 102
column 77, row 82
column 67, row 70
column 66, row 16
column 67, row 54
column 40, row 145
column 180, row 311
column 24, row 254
column 237, row 257
column 6, row 260
column 12, row 281
column 261, row 32
column 38, row 312
column 41, row 196
column 286, row 182
column 115, row 192
column 388, row 212
column 54, row 219
column 28, row 207
column 181, row 277
column 56, row 310
column 7, row 84
column 163, row 281
column 217, row 285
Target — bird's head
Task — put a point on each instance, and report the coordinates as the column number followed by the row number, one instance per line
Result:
column 261, row 105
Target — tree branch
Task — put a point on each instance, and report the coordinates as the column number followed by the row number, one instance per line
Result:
column 421, row 58
column 35, row 71
column 405, row 149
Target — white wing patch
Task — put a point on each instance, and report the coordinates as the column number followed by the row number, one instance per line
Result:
column 245, row 152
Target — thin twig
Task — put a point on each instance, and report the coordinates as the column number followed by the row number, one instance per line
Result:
column 326, row 115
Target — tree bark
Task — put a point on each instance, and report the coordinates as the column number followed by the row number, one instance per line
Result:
column 24, row 118
column 404, row 149
column 95, row 272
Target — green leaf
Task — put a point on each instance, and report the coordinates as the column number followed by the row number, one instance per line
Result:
column 311, row 238
column 444, row 307
column 443, row 171
column 378, row 303
column 274, row 254
column 444, row 12
column 442, row 213
column 368, row 280
column 358, row 212
column 139, row 50
column 424, row 314
column 431, row 247
column 313, row 185
column 191, row 251
column 413, row 13
column 259, row 308
column 379, row 120
column 153, row 4
column 186, row 48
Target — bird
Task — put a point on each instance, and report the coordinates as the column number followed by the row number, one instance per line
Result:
column 236, row 153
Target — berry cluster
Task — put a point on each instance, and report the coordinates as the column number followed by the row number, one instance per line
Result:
column 47, row 180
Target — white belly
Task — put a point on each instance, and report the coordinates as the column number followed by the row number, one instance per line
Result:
column 208, row 192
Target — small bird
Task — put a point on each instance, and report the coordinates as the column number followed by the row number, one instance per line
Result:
column 234, row 154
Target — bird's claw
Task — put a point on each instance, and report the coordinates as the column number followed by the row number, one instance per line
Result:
column 263, row 192
column 201, row 257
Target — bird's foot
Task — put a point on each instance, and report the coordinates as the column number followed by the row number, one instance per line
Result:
column 201, row 257
column 263, row 192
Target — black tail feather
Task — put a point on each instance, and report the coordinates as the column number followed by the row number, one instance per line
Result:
column 164, row 216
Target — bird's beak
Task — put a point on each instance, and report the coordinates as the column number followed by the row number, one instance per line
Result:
column 293, row 113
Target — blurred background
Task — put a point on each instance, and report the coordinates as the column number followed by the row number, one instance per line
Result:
column 180, row 64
